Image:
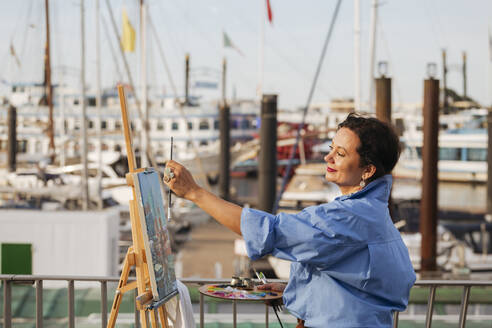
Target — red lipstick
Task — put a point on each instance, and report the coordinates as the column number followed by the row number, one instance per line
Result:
column 329, row 169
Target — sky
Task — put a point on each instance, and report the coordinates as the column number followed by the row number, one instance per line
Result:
column 410, row 34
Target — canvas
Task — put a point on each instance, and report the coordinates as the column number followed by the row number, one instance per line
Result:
column 158, row 251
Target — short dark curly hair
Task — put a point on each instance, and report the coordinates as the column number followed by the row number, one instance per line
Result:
column 379, row 144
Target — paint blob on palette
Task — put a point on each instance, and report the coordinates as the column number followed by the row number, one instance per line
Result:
column 228, row 292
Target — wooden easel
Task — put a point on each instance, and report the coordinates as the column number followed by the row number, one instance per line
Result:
column 136, row 253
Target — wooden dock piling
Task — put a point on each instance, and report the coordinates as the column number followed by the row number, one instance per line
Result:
column 383, row 99
column 12, row 138
column 267, row 171
column 225, row 137
column 428, row 204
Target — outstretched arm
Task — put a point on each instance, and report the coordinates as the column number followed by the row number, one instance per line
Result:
column 183, row 185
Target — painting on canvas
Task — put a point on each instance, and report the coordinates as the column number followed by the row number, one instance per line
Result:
column 156, row 235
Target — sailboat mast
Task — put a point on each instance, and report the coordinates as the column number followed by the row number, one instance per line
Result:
column 357, row 95
column 261, row 50
column 143, row 81
column 372, row 58
column 85, row 184
column 98, row 105
column 47, row 84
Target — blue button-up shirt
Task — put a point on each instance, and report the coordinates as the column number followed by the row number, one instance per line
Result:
column 350, row 267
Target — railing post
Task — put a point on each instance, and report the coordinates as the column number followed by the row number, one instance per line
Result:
column 234, row 314
column 395, row 319
column 266, row 315
column 430, row 307
column 7, row 304
column 202, row 324
column 137, row 312
column 39, row 304
column 104, row 304
column 71, row 304
column 464, row 305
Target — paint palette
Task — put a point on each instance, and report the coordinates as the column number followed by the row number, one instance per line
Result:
column 232, row 293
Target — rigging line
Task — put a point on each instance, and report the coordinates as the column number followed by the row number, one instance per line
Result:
column 189, row 22
column 58, row 45
column 174, row 41
column 390, row 61
column 111, row 49
column 188, row 133
column 299, row 71
column 26, row 30
column 438, row 22
column 308, row 102
column 161, row 53
column 437, row 36
column 19, row 54
column 288, row 61
column 140, row 113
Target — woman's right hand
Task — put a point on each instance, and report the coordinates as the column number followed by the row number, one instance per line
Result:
column 180, row 180
column 273, row 286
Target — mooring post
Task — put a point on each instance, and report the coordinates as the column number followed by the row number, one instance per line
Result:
column 383, row 98
column 464, row 75
column 489, row 165
column 12, row 138
column 225, row 156
column 187, row 79
column 428, row 203
column 225, row 135
column 383, row 107
column 267, row 171
column 444, row 82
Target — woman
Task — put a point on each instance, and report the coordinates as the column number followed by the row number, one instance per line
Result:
column 350, row 267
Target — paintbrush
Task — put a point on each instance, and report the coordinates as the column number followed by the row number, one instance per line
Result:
column 261, row 277
column 169, row 195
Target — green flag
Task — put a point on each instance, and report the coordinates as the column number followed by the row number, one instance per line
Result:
column 228, row 43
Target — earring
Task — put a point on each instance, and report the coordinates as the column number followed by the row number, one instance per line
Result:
column 362, row 184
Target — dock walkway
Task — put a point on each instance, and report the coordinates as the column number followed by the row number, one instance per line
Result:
column 209, row 243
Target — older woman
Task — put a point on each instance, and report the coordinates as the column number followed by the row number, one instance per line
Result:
column 350, row 267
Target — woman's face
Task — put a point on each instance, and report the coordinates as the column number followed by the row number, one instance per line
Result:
column 344, row 162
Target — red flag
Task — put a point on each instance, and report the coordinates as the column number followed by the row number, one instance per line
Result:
column 269, row 11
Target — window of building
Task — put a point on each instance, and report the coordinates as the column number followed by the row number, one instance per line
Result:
column 476, row 154
column 190, row 125
column 22, row 146
column 160, row 126
column 37, row 147
column 104, row 125
column 175, row 126
column 245, row 124
column 216, row 124
column 204, row 125
column 117, row 125
column 449, row 154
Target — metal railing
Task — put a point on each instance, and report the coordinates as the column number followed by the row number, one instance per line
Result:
column 37, row 280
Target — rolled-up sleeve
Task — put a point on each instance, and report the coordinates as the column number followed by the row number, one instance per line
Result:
column 303, row 237
column 257, row 228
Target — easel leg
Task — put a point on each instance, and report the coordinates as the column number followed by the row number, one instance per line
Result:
column 125, row 272
column 163, row 316
column 153, row 318
column 144, row 319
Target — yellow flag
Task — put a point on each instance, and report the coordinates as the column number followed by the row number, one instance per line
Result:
column 128, row 37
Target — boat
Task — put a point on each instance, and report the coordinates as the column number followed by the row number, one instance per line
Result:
column 462, row 156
